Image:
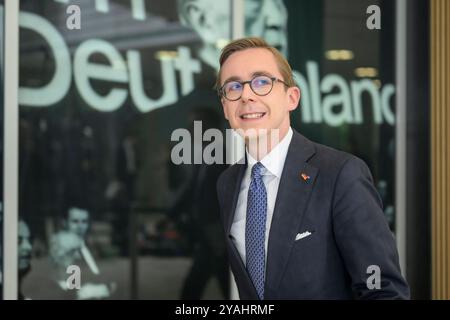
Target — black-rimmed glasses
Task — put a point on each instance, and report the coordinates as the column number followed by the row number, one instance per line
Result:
column 260, row 85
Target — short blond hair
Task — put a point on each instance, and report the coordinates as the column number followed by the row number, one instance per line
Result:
column 254, row 43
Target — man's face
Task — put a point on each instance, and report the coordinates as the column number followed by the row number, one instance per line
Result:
column 78, row 221
column 24, row 246
column 267, row 19
column 64, row 248
column 211, row 19
column 272, row 109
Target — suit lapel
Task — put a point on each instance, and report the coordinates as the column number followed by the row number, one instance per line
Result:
column 233, row 194
column 231, row 198
column 296, row 184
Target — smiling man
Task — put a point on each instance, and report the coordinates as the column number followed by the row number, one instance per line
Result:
column 302, row 220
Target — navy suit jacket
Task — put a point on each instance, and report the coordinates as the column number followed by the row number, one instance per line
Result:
column 342, row 210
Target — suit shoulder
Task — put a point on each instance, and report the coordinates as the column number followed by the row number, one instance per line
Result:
column 335, row 160
column 330, row 156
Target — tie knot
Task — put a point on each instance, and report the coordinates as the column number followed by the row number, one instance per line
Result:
column 257, row 170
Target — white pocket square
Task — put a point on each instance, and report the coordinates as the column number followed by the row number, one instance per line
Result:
column 302, row 235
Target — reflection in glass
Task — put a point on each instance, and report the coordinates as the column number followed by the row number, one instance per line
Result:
column 267, row 19
column 24, row 253
column 97, row 186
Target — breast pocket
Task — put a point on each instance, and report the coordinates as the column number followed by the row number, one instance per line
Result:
column 305, row 236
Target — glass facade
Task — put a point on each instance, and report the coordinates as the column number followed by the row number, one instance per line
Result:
column 104, row 84
column 346, row 72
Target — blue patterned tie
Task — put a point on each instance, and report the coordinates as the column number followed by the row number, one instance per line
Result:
column 255, row 229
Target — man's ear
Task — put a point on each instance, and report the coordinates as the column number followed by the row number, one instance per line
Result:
column 293, row 97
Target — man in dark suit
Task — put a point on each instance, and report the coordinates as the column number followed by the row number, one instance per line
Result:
column 302, row 220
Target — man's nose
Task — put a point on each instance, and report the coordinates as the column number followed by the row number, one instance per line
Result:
column 27, row 246
column 247, row 93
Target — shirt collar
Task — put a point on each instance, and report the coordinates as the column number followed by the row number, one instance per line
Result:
column 274, row 160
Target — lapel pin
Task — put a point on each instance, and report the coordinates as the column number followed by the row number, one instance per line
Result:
column 305, row 177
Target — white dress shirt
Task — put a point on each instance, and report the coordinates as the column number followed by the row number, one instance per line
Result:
column 273, row 163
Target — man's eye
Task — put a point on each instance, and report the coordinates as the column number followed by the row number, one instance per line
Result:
column 259, row 82
column 234, row 86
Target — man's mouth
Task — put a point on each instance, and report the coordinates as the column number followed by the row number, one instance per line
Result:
column 254, row 115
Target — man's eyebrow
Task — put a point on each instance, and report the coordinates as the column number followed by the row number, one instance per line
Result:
column 233, row 78
column 261, row 73
column 254, row 74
